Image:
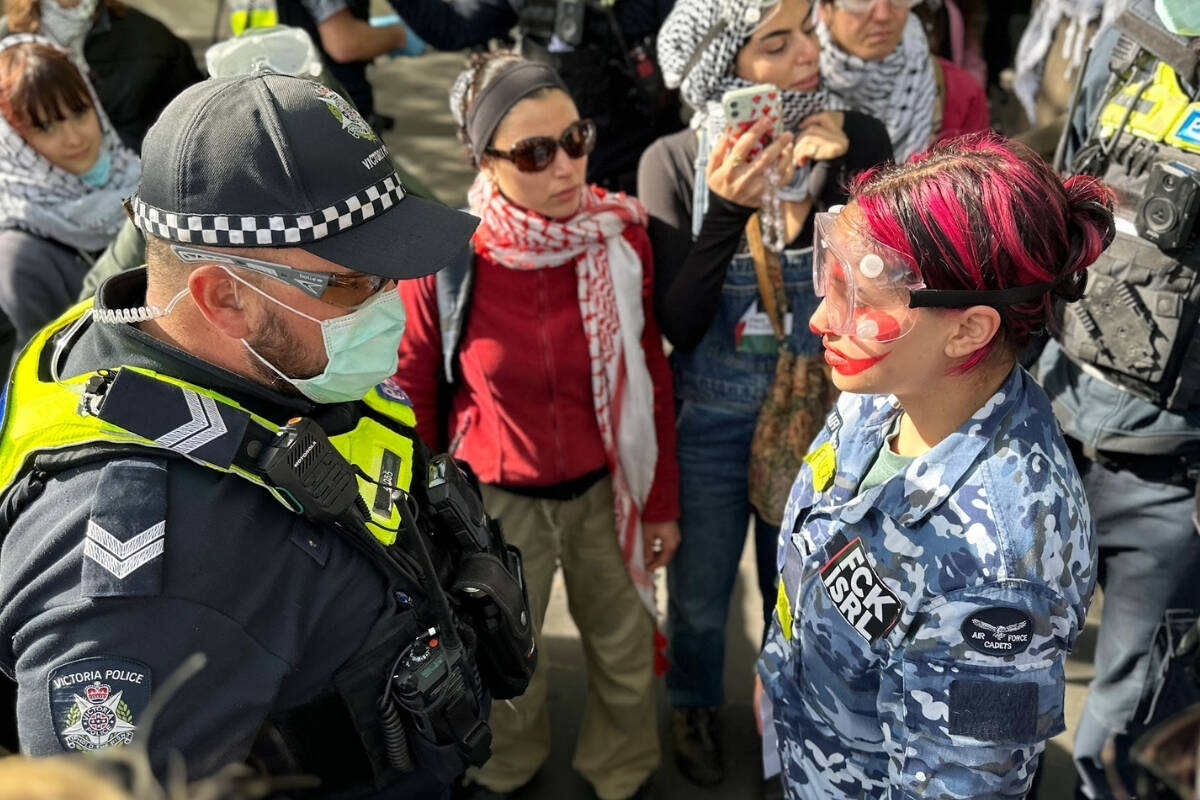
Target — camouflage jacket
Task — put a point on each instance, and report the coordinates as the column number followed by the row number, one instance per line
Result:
column 919, row 638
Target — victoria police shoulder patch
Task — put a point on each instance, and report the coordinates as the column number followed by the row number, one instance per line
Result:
column 96, row 703
column 998, row 631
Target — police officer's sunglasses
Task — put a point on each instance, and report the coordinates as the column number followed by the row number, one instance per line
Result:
column 537, row 152
column 310, row 282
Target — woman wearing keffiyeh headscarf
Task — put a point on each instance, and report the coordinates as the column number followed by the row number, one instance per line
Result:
column 701, row 190
column 561, row 403
column 63, row 176
column 134, row 62
column 875, row 58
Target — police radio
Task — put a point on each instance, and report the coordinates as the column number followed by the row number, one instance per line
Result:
column 435, row 681
column 303, row 466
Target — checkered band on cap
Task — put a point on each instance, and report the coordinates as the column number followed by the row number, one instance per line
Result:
column 270, row 230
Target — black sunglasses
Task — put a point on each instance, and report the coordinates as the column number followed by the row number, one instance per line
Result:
column 537, row 152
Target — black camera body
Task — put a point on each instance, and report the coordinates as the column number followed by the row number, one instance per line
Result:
column 1170, row 204
column 568, row 21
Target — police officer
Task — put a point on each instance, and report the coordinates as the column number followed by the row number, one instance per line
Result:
column 1124, row 375
column 156, row 500
column 603, row 50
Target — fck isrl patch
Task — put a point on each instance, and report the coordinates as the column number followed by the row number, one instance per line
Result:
column 861, row 597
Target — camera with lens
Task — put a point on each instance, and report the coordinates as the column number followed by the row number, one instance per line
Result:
column 1170, row 203
column 568, row 21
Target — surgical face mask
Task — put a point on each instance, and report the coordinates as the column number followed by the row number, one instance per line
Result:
column 1179, row 16
column 361, row 347
column 68, row 26
column 97, row 176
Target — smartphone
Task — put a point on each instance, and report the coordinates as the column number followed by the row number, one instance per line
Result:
column 744, row 107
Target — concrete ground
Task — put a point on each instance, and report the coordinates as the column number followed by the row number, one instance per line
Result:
column 415, row 92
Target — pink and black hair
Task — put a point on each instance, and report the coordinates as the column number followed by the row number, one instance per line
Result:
column 983, row 212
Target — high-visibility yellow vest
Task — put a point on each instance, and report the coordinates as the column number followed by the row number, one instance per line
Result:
column 43, row 416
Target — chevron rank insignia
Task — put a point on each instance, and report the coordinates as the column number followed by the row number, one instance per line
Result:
column 97, row 703
column 125, row 537
column 176, row 417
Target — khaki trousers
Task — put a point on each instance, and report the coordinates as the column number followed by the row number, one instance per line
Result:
column 617, row 749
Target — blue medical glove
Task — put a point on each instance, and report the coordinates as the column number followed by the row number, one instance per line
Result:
column 413, row 45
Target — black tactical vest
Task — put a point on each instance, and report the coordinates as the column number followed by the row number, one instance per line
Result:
column 1137, row 323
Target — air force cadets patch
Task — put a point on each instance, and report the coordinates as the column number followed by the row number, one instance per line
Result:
column 861, row 597
column 998, row 631
column 96, row 702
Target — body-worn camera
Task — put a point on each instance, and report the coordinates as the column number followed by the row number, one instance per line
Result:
column 1170, row 203
column 568, row 21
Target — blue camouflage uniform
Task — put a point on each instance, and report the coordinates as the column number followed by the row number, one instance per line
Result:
column 918, row 643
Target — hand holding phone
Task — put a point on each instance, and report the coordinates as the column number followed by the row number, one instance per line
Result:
column 744, row 107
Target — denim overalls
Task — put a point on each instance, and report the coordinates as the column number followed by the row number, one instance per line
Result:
column 718, row 393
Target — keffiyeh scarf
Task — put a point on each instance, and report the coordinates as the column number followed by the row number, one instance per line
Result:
column 702, row 79
column 899, row 90
column 48, row 201
column 68, row 26
column 1039, row 35
column 609, row 276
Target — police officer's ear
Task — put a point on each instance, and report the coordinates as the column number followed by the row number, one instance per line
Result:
column 215, row 293
column 970, row 329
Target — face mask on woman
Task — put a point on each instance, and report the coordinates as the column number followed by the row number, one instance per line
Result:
column 97, row 176
column 68, row 26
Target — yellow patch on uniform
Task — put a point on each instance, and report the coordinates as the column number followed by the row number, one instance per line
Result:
column 824, row 466
column 783, row 610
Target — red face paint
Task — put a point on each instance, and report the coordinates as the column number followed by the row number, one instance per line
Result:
column 845, row 365
column 880, row 325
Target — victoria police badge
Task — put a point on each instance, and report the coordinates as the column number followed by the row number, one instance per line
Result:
column 352, row 122
column 95, row 702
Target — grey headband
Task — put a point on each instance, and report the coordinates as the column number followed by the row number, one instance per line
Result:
column 510, row 85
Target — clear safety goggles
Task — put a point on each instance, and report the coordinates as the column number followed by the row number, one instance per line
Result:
column 867, row 286
column 873, row 292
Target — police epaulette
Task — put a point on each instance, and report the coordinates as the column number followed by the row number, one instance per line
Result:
column 188, row 422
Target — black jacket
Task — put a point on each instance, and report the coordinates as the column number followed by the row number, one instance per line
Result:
column 125, row 566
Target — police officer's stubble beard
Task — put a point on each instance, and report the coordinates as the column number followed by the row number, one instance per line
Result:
column 274, row 342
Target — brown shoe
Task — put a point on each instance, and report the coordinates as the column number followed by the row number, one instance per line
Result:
column 695, row 738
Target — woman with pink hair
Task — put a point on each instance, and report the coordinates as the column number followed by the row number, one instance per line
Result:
column 936, row 556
